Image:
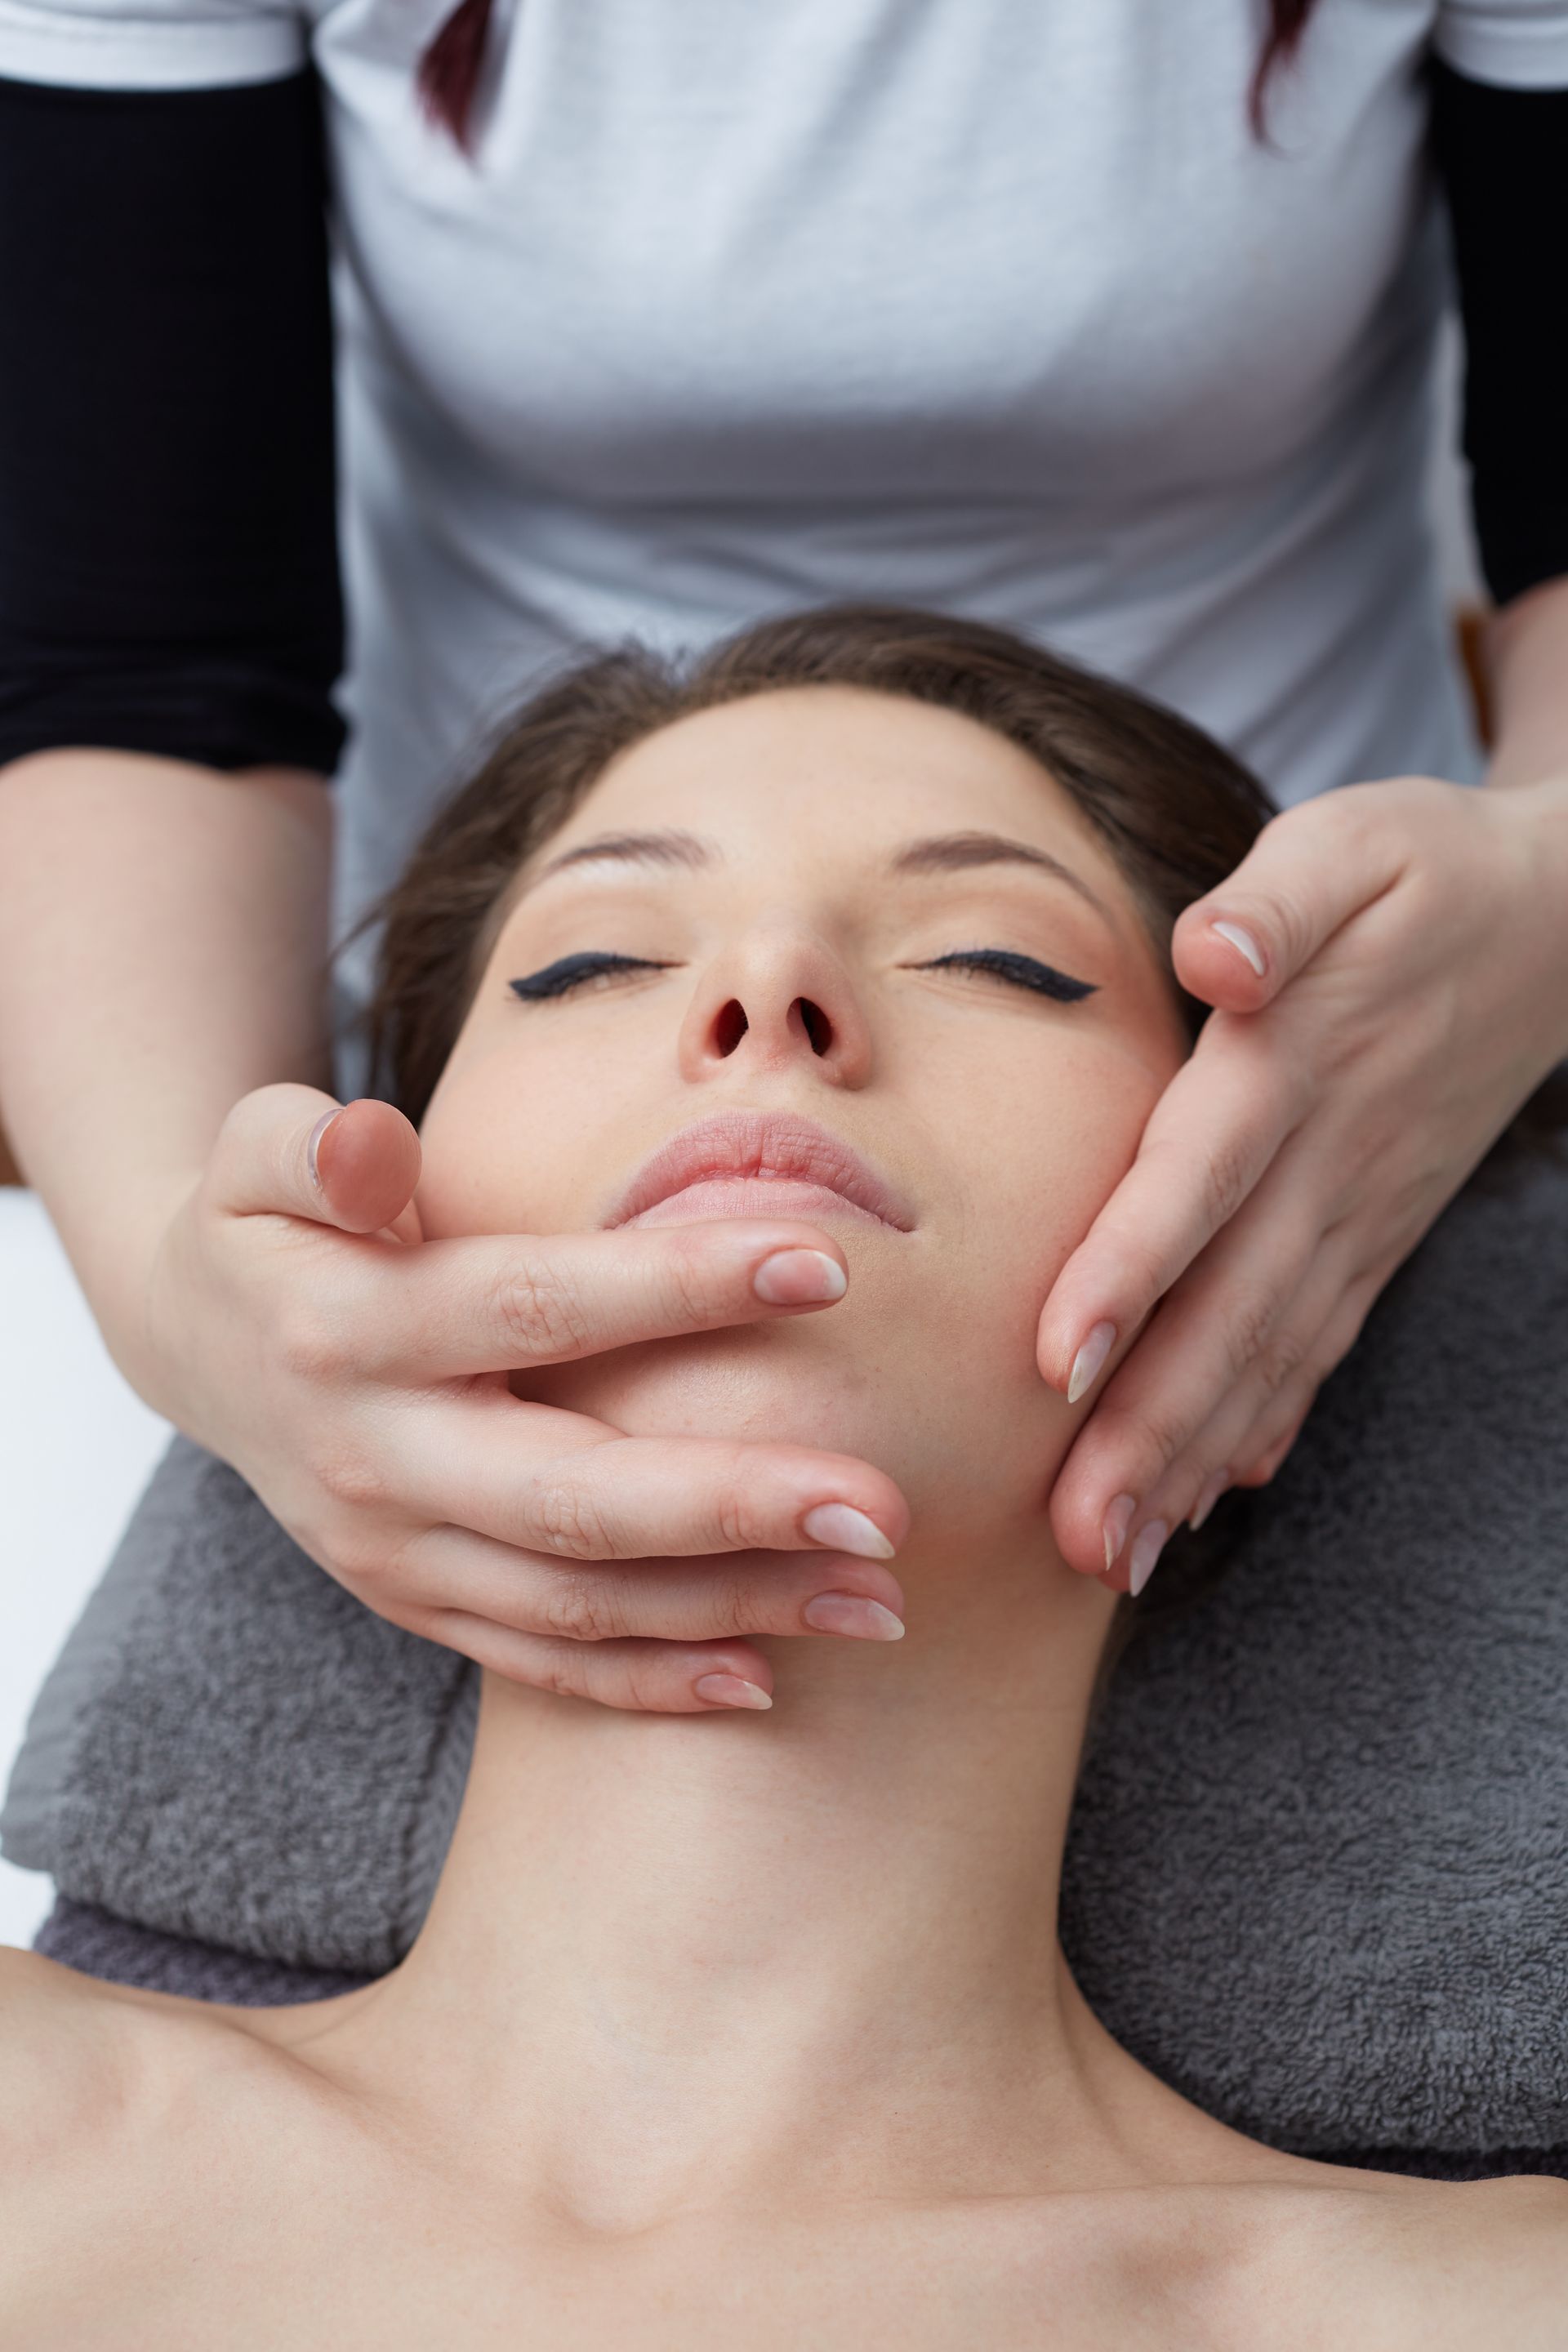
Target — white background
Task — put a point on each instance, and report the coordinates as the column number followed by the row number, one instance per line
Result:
column 76, row 1448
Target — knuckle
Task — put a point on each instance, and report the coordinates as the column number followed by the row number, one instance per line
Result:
column 1280, row 1362
column 730, row 1602
column 1252, row 1318
column 538, row 1311
column 1227, row 1178
column 311, row 1348
column 366, row 1559
column 568, row 1522
column 686, row 1282
column 1152, row 1435
column 582, row 1608
column 645, row 1682
column 733, row 1520
column 559, row 1668
column 351, row 1477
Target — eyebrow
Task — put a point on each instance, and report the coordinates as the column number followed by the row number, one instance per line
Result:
column 957, row 852
column 942, row 853
column 666, row 848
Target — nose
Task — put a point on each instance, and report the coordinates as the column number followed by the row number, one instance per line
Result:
column 776, row 999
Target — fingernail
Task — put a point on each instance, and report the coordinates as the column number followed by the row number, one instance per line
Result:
column 1089, row 1361
column 842, row 1528
column 1117, row 1519
column 730, row 1690
column 313, row 1145
column 799, row 1277
column 1244, row 943
column 1208, row 1498
column 851, row 1614
column 1148, row 1544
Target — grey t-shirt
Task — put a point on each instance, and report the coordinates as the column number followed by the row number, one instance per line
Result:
column 997, row 305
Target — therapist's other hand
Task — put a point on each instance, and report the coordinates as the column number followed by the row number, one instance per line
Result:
column 1389, row 966
column 357, row 1375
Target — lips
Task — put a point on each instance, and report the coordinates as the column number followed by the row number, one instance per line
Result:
column 756, row 1164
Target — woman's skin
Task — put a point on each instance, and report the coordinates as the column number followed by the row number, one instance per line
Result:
column 1414, row 993
column 162, row 1057
column 755, row 2026
column 340, row 1382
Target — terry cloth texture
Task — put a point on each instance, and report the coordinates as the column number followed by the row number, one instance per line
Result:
column 1318, row 1870
column 231, row 1747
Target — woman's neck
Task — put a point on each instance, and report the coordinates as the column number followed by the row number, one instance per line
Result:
column 670, row 1953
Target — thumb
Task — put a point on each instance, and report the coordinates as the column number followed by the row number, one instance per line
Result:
column 1309, row 870
column 292, row 1151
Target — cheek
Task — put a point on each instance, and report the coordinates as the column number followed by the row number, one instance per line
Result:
column 1059, row 1151
column 508, row 1142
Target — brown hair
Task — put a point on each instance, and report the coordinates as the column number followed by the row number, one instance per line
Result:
column 1177, row 812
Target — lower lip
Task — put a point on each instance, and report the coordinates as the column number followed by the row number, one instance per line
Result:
column 753, row 1196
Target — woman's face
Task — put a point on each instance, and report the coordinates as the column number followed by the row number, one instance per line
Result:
column 834, row 957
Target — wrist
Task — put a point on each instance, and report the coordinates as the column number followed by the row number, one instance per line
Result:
column 1526, row 656
column 122, row 1270
column 1535, row 817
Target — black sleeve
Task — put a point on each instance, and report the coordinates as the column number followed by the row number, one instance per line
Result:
column 168, row 542
column 1503, row 157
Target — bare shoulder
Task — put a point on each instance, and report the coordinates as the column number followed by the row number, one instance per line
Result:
column 64, row 2054
column 1454, row 2267
column 99, row 2084
column 85, row 2065
column 1496, row 2255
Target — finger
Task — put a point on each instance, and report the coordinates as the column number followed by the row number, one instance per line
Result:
column 1262, row 1472
column 723, row 1597
column 642, row 1677
column 1266, row 1443
column 1307, row 874
column 1266, row 1414
column 1246, row 1440
column 500, row 1303
column 293, row 1151
column 1229, row 1332
column 1215, row 1130
column 556, row 1482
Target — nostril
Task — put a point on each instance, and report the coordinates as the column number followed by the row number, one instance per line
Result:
column 729, row 1025
column 816, row 1024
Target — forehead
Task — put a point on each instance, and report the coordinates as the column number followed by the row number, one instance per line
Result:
column 836, row 771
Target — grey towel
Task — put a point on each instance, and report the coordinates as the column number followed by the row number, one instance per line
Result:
column 1316, row 1870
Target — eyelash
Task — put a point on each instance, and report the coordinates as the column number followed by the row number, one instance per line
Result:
column 1021, row 970
column 569, row 972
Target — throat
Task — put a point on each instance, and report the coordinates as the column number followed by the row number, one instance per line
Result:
column 669, row 1952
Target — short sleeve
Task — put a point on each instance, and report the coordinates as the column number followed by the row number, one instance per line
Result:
column 163, row 45
column 1516, row 44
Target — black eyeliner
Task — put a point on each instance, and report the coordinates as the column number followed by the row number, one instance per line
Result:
column 1023, row 970
column 555, row 979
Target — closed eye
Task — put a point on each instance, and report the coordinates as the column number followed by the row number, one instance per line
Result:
column 567, row 972
column 1019, row 970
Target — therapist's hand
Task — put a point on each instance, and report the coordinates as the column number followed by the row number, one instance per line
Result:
column 357, row 1375
column 1389, row 966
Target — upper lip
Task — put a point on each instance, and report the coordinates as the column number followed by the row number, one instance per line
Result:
column 760, row 1143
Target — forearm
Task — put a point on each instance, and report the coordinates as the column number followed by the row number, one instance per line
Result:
column 1527, row 658
column 162, row 946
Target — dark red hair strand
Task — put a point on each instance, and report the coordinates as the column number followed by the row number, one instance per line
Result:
column 449, row 69
column 1286, row 23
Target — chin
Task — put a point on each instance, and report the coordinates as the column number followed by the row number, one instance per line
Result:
column 778, row 1382
column 966, row 1447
